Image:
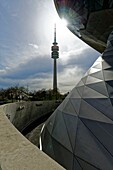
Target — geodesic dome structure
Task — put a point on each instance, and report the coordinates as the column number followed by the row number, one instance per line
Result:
column 79, row 134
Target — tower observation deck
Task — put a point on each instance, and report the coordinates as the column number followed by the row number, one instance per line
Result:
column 55, row 56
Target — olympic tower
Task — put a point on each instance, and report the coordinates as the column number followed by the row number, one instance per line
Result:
column 55, row 56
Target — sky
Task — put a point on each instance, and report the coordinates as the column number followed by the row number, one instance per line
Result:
column 26, row 37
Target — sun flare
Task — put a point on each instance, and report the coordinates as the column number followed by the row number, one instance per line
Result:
column 61, row 27
column 64, row 22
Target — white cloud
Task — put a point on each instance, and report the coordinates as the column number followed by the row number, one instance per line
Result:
column 69, row 77
column 34, row 45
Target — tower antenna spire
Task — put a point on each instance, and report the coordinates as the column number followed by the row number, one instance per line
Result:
column 55, row 33
column 55, row 43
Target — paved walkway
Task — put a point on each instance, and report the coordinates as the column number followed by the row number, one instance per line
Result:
column 17, row 153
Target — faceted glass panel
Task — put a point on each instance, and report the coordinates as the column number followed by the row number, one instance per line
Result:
column 60, row 133
column 47, row 146
column 87, row 144
column 71, row 125
column 62, row 155
column 91, row 80
column 90, row 93
column 69, row 108
column 99, row 87
column 87, row 111
column 103, row 131
column 86, row 165
column 76, row 164
column 98, row 75
column 76, row 104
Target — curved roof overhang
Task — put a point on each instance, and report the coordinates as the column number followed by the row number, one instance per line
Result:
column 91, row 21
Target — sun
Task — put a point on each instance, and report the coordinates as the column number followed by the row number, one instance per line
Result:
column 61, row 23
column 64, row 22
column 63, row 35
column 61, row 26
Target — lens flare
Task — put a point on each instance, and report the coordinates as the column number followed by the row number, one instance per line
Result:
column 64, row 22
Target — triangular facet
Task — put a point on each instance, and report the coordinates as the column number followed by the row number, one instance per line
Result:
column 71, row 125
column 102, row 131
column 50, row 122
column 98, row 66
column 90, row 93
column 86, row 166
column 62, row 155
column 80, row 84
column 76, row 104
column 87, row 145
column 103, row 105
column 98, row 75
column 76, row 164
column 111, row 99
column 108, row 75
column 60, row 132
column 63, row 104
column 110, row 83
column 110, row 90
column 84, row 79
column 93, row 70
column 74, row 94
column 69, row 108
column 89, row 112
column 99, row 87
column 105, row 65
column 80, row 89
column 47, row 144
column 91, row 80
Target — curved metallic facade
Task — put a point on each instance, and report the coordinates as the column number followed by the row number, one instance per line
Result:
column 79, row 134
column 90, row 20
